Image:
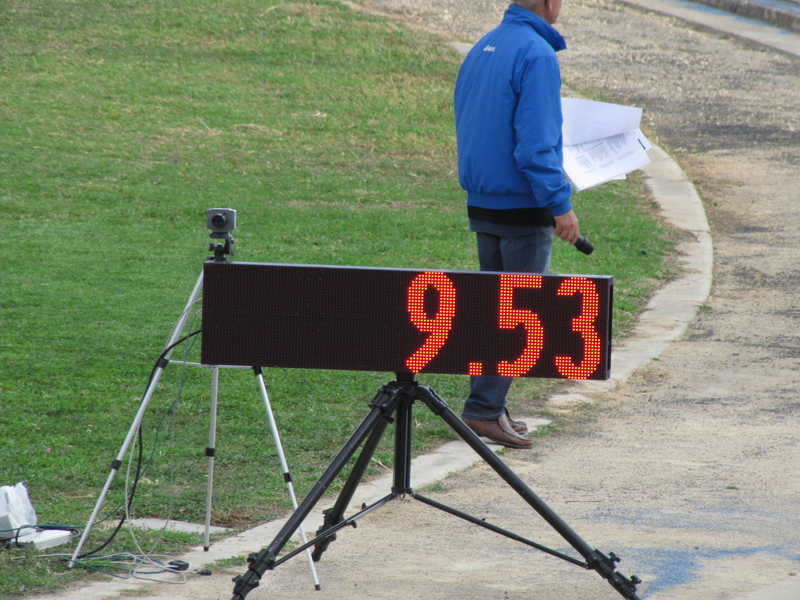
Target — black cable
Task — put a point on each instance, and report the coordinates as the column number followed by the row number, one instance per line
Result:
column 19, row 530
column 132, row 493
column 130, row 504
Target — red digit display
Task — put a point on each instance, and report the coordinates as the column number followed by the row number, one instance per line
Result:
column 511, row 318
column 439, row 325
column 585, row 325
column 407, row 320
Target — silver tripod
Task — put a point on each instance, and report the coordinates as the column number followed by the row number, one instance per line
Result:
column 162, row 364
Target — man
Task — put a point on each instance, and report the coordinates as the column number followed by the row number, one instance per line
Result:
column 508, row 125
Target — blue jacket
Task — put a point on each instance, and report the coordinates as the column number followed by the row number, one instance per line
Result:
column 508, row 117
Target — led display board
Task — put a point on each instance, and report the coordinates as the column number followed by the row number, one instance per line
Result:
column 407, row 321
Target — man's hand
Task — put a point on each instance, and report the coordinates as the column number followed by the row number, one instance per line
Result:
column 567, row 227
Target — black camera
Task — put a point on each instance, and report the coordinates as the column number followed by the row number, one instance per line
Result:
column 220, row 221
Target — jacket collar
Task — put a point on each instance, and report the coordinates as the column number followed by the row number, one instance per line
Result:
column 522, row 16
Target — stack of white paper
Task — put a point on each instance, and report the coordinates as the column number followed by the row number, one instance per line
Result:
column 601, row 142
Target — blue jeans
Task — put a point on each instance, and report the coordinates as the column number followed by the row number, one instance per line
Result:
column 519, row 254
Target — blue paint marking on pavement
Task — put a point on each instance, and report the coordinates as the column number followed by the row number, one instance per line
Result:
column 680, row 567
column 665, row 568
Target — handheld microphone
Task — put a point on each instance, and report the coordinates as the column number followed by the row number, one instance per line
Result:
column 584, row 245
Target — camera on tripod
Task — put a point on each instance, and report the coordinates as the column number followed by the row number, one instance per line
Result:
column 221, row 221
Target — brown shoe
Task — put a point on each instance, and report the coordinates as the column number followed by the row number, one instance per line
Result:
column 499, row 432
column 518, row 426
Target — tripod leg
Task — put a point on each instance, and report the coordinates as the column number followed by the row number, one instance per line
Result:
column 402, row 448
column 335, row 514
column 494, row 461
column 286, row 475
column 382, row 405
column 604, row 565
column 210, row 451
column 115, row 465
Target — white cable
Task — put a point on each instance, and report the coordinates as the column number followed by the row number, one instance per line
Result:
column 145, row 558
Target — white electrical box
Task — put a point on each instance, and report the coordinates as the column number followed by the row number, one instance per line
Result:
column 43, row 539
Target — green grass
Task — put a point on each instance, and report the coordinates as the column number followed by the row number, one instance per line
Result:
column 329, row 131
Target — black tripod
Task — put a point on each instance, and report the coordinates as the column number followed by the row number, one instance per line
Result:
column 399, row 396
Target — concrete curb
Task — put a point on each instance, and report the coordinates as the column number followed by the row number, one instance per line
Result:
column 785, row 15
column 704, row 14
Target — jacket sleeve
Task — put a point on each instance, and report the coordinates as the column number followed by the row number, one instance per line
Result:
column 537, row 124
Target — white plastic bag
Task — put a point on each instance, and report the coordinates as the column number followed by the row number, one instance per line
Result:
column 16, row 510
